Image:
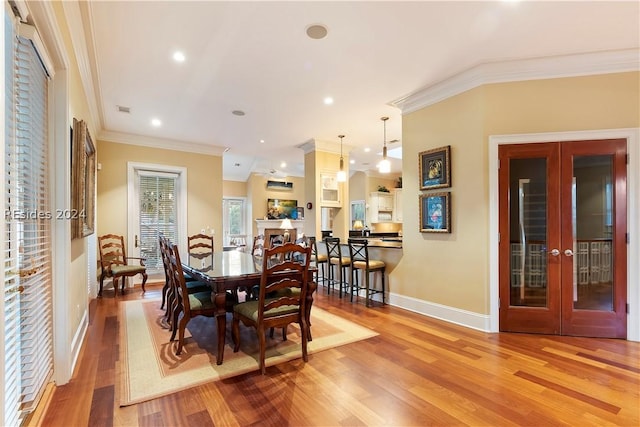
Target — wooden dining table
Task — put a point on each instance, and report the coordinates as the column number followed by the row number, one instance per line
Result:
column 229, row 271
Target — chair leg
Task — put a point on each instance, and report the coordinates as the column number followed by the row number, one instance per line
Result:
column 177, row 308
column 366, row 281
column 181, row 328
column 165, row 291
column 383, row 289
column 235, row 333
column 144, row 281
column 263, row 350
column 101, row 284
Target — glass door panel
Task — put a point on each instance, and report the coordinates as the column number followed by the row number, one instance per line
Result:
column 528, row 232
column 592, row 232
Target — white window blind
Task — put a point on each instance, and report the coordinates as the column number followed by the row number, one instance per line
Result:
column 158, row 214
column 28, row 359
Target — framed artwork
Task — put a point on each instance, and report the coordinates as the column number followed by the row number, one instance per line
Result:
column 435, row 168
column 435, row 213
column 83, row 181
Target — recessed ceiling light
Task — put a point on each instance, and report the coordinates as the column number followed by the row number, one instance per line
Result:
column 366, row 150
column 316, row 31
column 237, row 113
column 328, row 100
column 156, row 122
column 353, row 162
column 283, row 164
column 262, row 141
column 179, row 56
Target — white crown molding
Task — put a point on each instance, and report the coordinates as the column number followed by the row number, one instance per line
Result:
column 162, row 143
column 75, row 25
column 584, row 64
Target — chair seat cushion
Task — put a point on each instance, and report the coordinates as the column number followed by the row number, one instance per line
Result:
column 374, row 264
column 336, row 260
column 200, row 301
column 249, row 309
column 195, row 287
column 119, row 270
column 319, row 258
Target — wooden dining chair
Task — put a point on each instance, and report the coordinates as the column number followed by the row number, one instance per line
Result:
column 114, row 262
column 188, row 305
column 170, row 292
column 200, row 246
column 337, row 266
column 360, row 261
column 281, row 300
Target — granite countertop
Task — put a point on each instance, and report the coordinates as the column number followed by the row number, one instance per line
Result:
column 376, row 242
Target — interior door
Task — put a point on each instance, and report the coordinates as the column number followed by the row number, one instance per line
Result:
column 563, row 238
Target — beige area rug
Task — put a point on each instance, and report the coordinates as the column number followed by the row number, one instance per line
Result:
column 150, row 367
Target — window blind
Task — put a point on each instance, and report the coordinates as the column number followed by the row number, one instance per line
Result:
column 158, row 214
column 28, row 298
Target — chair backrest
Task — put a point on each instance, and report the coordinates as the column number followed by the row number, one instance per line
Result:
column 359, row 250
column 176, row 277
column 200, row 246
column 283, row 268
column 333, row 247
column 258, row 245
column 112, row 250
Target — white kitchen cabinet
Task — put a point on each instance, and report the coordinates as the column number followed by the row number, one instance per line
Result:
column 330, row 191
column 381, row 207
column 397, row 205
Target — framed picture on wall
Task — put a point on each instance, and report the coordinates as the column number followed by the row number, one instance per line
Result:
column 435, row 168
column 435, row 213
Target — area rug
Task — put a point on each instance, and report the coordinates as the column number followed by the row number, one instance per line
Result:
column 149, row 367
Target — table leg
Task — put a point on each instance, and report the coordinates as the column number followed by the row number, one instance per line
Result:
column 221, row 321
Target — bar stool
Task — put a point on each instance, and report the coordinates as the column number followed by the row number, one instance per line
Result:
column 318, row 260
column 359, row 253
column 334, row 253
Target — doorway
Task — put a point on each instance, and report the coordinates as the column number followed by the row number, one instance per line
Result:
column 562, row 226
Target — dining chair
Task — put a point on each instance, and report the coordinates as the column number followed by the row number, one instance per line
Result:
column 200, row 246
column 171, row 292
column 114, row 262
column 338, row 264
column 188, row 305
column 281, row 297
column 318, row 259
column 258, row 245
column 359, row 253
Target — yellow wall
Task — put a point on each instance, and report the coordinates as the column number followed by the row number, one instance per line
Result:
column 234, row 189
column 78, row 108
column 452, row 269
column 204, row 176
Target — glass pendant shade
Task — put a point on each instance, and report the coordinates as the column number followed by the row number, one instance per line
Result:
column 342, row 175
column 385, row 165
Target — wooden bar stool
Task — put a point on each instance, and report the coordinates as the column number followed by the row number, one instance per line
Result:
column 359, row 253
column 338, row 263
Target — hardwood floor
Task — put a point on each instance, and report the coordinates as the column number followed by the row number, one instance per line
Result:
column 418, row 371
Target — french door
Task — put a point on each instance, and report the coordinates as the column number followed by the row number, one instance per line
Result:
column 157, row 205
column 562, row 250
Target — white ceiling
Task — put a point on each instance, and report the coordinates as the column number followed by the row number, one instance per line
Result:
column 256, row 57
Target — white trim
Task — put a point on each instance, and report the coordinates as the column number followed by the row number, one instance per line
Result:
column 632, row 135
column 75, row 24
column 132, row 170
column 78, row 337
column 167, row 144
column 617, row 61
column 469, row 319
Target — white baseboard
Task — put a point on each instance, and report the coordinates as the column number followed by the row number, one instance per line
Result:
column 460, row 317
column 78, row 339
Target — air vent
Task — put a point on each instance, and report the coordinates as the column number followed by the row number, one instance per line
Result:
column 122, row 109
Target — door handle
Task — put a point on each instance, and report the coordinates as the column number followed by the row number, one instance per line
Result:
column 136, row 241
column 555, row 252
column 568, row 252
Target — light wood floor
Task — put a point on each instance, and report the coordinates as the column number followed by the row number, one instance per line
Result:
column 417, row 372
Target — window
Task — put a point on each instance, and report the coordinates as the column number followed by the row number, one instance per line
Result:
column 28, row 358
column 234, row 221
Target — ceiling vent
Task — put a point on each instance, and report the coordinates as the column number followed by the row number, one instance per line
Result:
column 122, row 109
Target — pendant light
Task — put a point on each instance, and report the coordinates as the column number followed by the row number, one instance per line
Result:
column 342, row 175
column 385, row 165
